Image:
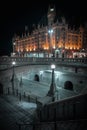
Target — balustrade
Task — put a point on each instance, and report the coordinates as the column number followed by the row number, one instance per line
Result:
column 35, row 60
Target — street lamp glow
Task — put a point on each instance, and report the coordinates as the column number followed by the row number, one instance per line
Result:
column 13, row 63
column 50, row 31
column 53, row 66
column 14, row 43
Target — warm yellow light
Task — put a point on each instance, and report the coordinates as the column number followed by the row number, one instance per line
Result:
column 27, row 49
column 70, row 48
column 30, row 48
column 34, row 48
column 54, row 47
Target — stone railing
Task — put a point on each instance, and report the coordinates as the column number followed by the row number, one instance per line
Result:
column 41, row 61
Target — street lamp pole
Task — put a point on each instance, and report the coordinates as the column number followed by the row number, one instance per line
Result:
column 51, row 92
column 13, row 64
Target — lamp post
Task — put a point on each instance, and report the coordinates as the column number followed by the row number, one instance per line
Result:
column 51, row 92
column 13, row 64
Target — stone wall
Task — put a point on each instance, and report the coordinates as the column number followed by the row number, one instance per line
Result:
column 73, row 108
column 78, row 80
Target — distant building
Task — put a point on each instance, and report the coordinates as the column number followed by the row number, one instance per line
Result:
column 85, row 37
column 53, row 39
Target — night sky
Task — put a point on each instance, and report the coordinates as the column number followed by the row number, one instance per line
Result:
column 15, row 15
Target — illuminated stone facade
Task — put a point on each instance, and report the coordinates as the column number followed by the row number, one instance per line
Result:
column 55, row 38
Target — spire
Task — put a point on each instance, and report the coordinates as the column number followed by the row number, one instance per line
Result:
column 63, row 20
column 51, row 9
column 26, row 28
column 51, row 14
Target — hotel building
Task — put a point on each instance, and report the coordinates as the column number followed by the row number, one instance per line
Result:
column 54, row 39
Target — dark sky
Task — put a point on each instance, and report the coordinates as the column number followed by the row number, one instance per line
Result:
column 15, row 15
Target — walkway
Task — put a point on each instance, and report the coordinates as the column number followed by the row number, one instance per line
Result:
column 13, row 111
